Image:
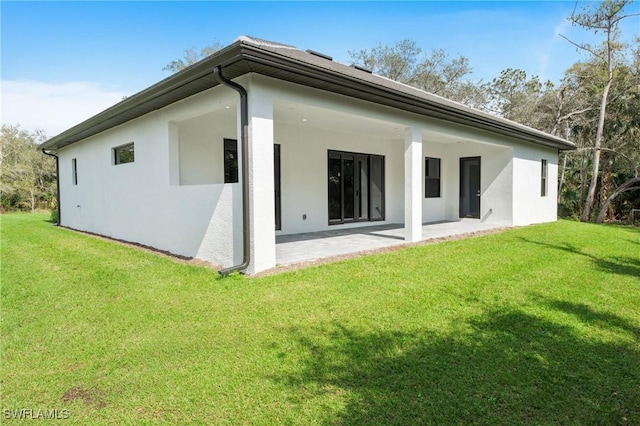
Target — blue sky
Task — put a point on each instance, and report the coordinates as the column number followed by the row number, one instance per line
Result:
column 65, row 61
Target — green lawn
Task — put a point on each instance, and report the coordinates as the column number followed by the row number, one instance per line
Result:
column 538, row 325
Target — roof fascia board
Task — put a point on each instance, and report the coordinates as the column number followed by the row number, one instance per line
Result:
column 403, row 100
column 255, row 57
column 197, row 71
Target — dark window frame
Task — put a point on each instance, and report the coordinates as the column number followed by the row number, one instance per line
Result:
column 370, row 159
column 462, row 183
column 544, row 177
column 230, row 159
column 431, row 177
column 129, row 157
column 74, row 171
column 277, row 180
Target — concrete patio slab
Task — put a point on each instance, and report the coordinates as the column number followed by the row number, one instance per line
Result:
column 311, row 246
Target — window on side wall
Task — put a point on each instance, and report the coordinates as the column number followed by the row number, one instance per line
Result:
column 543, row 179
column 230, row 161
column 74, row 171
column 123, row 154
column 432, row 177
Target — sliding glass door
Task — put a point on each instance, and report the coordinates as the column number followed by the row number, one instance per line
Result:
column 355, row 187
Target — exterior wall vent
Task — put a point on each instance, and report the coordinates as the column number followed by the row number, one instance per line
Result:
column 321, row 55
column 359, row 68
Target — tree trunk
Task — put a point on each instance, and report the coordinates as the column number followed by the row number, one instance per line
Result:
column 627, row 186
column 583, row 178
column 606, row 187
column 564, row 166
column 591, row 195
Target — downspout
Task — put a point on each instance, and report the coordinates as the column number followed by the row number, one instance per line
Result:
column 244, row 124
column 44, row 151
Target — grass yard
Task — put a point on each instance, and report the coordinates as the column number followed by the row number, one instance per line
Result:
column 537, row 325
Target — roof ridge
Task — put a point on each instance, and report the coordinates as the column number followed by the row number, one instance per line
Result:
column 263, row 42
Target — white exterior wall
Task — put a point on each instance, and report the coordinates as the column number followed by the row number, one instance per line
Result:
column 199, row 150
column 173, row 196
column 304, row 146
column 304, row 188
column 528, row 204
column 496, row 196
column 142, row 201
column 450, row 143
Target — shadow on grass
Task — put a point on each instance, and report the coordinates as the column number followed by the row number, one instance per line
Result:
column 589, row 316
column 623, row 265
column 508, row 368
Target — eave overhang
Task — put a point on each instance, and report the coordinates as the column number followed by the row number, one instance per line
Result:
column 289, row 64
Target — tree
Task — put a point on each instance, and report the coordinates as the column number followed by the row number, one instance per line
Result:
column 396, row 62
column 435, row 73
column 28, row 176
column 622, row 126
column 191, row 56
column 515, row 96
column 620, row 149
column 603, row 17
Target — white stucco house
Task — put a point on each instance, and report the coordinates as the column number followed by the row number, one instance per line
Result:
column 262, row 139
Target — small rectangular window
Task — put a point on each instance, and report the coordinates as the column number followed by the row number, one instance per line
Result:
column 74, row 171
column 123, row 154
column 432, row 178
column 230, row 161
column 543, row 179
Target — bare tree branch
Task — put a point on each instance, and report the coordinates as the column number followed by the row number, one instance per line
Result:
column 571, row 114
column 633, row 164
column 584, row 47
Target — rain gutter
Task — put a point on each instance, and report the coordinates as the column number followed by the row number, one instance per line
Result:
column 244, row 124
column 44, row 151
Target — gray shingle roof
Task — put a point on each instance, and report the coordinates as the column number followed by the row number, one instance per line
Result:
column 285, row 62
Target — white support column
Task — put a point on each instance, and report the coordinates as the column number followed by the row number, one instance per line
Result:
column 261, row 185
column 413, row 184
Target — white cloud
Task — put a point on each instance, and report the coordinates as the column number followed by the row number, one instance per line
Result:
column 547, row 50
column 53, row 107
column 562, row 27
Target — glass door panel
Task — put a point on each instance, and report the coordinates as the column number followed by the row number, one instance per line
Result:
column 349, row 187
column 362, row 193
column 335, row 188
column 377, row 188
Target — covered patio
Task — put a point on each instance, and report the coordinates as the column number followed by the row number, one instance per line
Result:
column 313, row 246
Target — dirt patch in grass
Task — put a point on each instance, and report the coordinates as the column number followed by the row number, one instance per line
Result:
column 89, row 397
column 204, row 264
